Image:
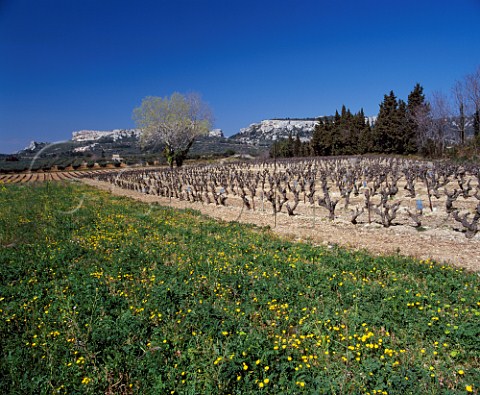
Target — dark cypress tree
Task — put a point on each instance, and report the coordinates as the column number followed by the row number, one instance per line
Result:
column 337, row 117
column 317, row 138
column 361, row 134
column 366, row 139
column 415, row 106
column 274, row 150
column 297, row 146
column 289, row 146
column 340, row 132
column 403, row 133
column 321, row 143
column 357, row 126
column 346, row 133
column 329, row 139
column 336, row 133
column 416, row 98
column 386, row 127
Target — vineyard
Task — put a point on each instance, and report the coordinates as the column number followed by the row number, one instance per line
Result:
column 437, row 200
column 385, row 205
column 387, row 191
column 23, row 178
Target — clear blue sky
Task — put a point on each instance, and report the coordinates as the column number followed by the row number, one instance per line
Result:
column 67, row 65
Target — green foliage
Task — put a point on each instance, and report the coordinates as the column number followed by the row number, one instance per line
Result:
column 173, row 123
column 100, row 294
column 288, row 148
column 396, row 131
column 345, row 134
column 387, row 130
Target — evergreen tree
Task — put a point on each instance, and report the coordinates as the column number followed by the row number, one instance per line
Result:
column 404, row 135
column 362, row 134
column 274, row 149
column 365, row 140
column 306, row 150
column 317, row 136
column 345, row 134
column 289, row 146
column 387, row 125
column 416, row 106
column 329, row 139
column 356, row 126
column 321, row 143
column 297, row 146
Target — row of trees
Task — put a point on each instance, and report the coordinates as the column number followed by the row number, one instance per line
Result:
column 411, row 127
column 417, row 126
column 396, row 131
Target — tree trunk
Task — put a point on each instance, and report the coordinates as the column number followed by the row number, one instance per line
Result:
column 169, row 155
column 181, row 155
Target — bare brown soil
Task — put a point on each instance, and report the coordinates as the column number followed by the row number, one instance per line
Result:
column 40, row 176
column 437, row 241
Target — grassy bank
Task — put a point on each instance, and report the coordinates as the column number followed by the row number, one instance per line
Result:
column 101, row 294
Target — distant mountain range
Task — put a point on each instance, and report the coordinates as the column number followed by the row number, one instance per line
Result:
column 261, row 135
column 94, row 146
column 120, row 134
column 270, row 130
column 99, row 147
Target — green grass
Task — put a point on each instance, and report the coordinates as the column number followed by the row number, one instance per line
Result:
column 100, row 294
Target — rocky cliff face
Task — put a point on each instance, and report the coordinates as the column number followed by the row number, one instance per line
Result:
column 269, row 130
column 34, row 145
column 216, row 133
column 120, row 134
column 116, row 134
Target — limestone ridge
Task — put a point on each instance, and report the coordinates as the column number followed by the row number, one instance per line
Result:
column 216, row 133
column 34, row 146
column 115, row 135
column 120, row 134
column 270, row 130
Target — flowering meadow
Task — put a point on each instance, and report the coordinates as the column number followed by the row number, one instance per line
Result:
column 104, row 295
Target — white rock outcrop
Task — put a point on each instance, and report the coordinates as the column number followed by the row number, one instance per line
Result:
column 32, row 146
column 119, row 134
column 85, row 148
column 216, row 133
column 271, row 127
column 275, row 129
column 116, row 134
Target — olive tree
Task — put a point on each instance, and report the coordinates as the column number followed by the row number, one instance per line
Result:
column 172, row 123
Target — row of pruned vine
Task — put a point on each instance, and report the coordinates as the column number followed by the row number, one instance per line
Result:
column 364, row 190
